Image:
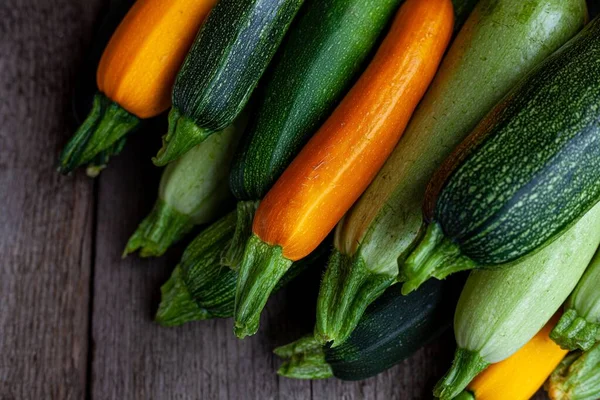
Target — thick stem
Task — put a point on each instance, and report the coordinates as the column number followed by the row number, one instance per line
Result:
column 182, row 135
column 577, row 377
column 101, row 135
column 101, row 160
column 177, row 305
column 435, row 256
column 303, row 359
column 347, row 289
column 234, row 253
column 158, row 231
column 466, row 366
column 261, row 269
column 574, row 332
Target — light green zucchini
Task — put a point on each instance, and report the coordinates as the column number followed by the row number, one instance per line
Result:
column 501, row 310
column 500, row 43
column 193, row 190
column 579, row 327
column 577, row 377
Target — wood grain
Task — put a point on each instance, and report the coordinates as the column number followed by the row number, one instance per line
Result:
column 45, row 219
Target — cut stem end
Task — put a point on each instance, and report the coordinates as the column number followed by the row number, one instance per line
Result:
column 574, row 332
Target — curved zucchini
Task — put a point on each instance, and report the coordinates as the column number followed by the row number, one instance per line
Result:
column 229, row 56
column 500, row 43
column 579, row 327
column 512, row 187
column 392, row 329
column 501, row 310
column 577, row 377
column 193, row 191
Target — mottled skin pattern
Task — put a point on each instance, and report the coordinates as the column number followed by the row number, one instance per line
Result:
column 320, row 59
column 532, row 168
column 228, row 58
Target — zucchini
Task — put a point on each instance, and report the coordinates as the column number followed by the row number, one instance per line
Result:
column 392, row 329
column 384, row 223
column 501, row 310
column 201, row 287
column 513, row 187
column 579, row 327
column 193, row 191
column 229, row 56
column 577, row 377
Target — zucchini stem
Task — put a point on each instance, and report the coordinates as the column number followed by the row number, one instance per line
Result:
column 466, row 366
column 577, row 377
column 303, row 359
column 465, row 396
column 435, row 256
column 177, row 305
column 260, row 271
column 182, row 135
column 101, row 136
column 234, row 253
column 158, row 231
column 347, row 289
column 574, row 332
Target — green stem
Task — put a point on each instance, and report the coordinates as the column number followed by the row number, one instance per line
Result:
column 466, row 366
column 465, row 396
column 158, row 231
column 100, row 136
column 577, row 377
column 234, row 253
column 183, row 134
column 177, row 305
column 435, row 256
column 347, row 289
column 574, row 332
column 261, row 269
column 101, row 160
column 303, row 359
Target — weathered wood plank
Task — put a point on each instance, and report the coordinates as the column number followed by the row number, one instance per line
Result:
column 45, row 219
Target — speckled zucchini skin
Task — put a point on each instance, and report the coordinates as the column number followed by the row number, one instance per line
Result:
column 532, row 168
column 228, row 58
column 325, row 51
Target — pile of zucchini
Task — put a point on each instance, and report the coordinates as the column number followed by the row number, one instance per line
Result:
column 430, row 137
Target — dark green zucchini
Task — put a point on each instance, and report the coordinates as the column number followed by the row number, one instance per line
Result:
column 229, row 56
column 529, row 171
column 201, row 287
column 391, row 329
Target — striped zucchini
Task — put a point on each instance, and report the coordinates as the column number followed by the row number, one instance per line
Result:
column 501, row 310
column 501, row 41
column 577, row 377
column 528, row 172
column 579, row 327
column 229, row 56
column 392, row 329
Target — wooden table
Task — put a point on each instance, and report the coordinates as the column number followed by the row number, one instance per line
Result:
column 75, row 318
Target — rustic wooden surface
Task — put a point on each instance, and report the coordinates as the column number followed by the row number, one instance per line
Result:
column 76, row 319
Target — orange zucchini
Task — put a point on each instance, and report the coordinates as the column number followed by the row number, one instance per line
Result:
column 521, row 375
column 343, row 157
column 136, row 74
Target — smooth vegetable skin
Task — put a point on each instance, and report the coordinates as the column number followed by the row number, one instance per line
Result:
column 338, row 163
column 222, row 69
column 511, row 188
column 577, row 377
column 500, row 43
column 501, row 310
column 521, row 375
column 135, row 76
column 201, row 287
column 392, row 329
column 324, row 51
column 579, row 328
column 193, row 190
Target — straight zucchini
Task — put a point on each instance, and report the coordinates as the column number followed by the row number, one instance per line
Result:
column 392, row 329
column 384, row 224
column 229, row 56
column 528, row 172
column 577, row 377
column 501, row 310
column 193, row 190
column 579, row 327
